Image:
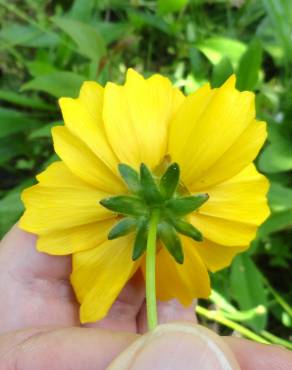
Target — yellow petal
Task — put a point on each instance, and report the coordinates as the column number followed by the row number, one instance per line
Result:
column 53, row 205
column 215, row 256
column 57, row 174
column 222, row 231
column 83, row 162
column 183, row 282
column 236, row 158
column 99, row 275
column 83, row 117
column 242, row 198
column 136, row 117
column 75, row 239
column 206, row 125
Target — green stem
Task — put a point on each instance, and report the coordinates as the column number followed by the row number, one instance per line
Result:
column 276, row 340
column 150, row 271
column 218, row 317
column 278, row 298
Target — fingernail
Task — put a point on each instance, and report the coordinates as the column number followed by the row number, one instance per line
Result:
column 177, row 346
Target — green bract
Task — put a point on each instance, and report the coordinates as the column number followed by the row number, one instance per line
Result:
column 148, row 192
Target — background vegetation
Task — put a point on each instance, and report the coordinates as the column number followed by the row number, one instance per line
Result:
column 47, row 48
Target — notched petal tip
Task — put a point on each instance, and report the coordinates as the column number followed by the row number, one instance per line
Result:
column 133, row 74
column 64, row 100
column 230, row 82
column 56, row 130
column 89, row 85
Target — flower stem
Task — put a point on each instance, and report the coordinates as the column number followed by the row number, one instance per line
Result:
column 150, row 271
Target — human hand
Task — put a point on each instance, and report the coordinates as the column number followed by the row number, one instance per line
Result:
column 40, row 328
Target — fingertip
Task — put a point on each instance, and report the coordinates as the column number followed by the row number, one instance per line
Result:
column 177, row 346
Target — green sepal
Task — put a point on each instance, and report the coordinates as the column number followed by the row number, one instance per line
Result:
column 123, row 227
column 149, row 186
column 140, row 243
column 171, row 240
column 184, row 205
column 125, row 205
column 169, row 181
column 187, row 229
column 130, row 177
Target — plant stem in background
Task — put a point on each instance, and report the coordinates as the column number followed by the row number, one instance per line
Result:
column 281, row 301
column 218, row 317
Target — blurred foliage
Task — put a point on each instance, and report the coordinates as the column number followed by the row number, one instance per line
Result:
column 47, row 48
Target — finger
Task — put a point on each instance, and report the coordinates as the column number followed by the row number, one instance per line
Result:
column 34, row 287
column 167, row 312
column 177, row 346
column 61, row 349
column 19, row 256
column 37, row 289
column 123, row 313
column 251, row 355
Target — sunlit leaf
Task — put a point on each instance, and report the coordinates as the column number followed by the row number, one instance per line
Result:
column 89, row 41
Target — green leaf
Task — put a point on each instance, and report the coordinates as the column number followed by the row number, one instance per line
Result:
column 221, row 72
column 139, row 19
column 187, row 229
column 149, row 186
column 171, row 6
column 115, row 32
column 11, row 207
column 44, row 131
column 248, row 289
column 249, row 67
column 123, row 227
column 280, row 197
column 40, row 68
column 216, row 48
column 280, row 15
column 10, row 148
column 276, row 157
column 82, row 9
column 185, row 205
column 276, row 222
column 58, row 84
column 125, row 205
column 197, row 62
column 25, row 101
column 169, row 181
column 171, row 240
column 140, row 243
column 12, row 121
column 89, row 41
column 27, row 36
column 131, row 177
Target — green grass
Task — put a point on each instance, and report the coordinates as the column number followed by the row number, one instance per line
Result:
column 47, row 48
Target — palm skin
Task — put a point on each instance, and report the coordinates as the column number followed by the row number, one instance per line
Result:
column 40, row 327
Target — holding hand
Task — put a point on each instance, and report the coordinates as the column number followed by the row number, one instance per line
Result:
column 40, row 328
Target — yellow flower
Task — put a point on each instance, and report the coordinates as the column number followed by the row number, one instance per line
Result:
column 213, row 136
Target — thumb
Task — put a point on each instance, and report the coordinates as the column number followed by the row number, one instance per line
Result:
column 177, row 346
